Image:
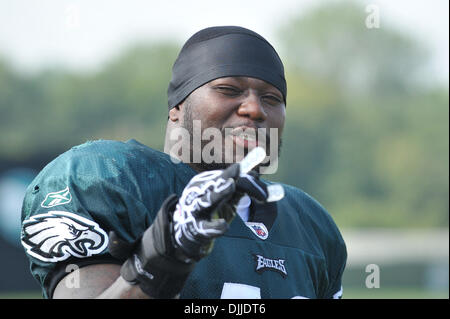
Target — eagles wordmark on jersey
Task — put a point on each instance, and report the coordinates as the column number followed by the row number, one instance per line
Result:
column 288, row 249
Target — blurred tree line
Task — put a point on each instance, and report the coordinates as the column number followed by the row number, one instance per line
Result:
column 363, row 135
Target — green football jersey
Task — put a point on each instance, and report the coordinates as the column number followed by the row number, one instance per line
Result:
column 288, row 249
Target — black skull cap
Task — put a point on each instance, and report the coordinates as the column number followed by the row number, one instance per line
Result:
column 224, row 51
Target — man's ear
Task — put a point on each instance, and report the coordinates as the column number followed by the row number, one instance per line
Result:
column 174, row 114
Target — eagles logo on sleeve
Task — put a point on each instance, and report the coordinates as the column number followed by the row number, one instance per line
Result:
column 57, row 235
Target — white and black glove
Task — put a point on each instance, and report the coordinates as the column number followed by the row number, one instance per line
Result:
column 204, row 211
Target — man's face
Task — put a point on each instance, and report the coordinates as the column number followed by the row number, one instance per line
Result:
column 246, row 111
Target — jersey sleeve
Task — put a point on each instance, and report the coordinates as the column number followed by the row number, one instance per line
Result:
column 336, row 265
column 326, row 234
column 69, row 209
column 335, row 253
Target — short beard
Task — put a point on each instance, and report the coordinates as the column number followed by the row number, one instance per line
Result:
column 188, row 120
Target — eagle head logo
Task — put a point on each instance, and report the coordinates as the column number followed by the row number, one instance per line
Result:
column 57, row 235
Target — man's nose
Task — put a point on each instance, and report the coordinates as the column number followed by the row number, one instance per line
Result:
column 252, row 108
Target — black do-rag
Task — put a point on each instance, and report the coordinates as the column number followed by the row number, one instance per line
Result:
column 224, row 51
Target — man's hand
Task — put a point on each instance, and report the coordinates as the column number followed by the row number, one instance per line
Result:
column 204, row 212
column 207, row 206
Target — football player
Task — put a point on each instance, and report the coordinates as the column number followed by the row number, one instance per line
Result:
column 110, row 219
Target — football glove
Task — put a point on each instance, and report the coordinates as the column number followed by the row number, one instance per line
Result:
column 204, row 212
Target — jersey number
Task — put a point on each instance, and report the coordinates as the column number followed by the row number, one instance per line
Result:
column 232, row 290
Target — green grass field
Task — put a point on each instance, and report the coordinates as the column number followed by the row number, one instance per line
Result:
column 349, row 293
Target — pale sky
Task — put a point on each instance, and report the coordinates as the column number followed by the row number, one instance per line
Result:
column 83, row 34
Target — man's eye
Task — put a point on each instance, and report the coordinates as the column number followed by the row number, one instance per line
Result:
column 228, row 90
column 272, row 99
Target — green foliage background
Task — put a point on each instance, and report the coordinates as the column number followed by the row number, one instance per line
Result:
column 366, row 132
